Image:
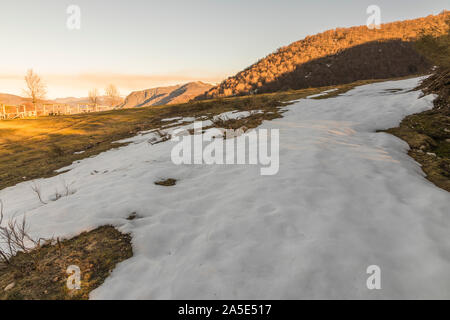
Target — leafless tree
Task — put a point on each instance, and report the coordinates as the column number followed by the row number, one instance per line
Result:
column 36, row 88
column 113, row 95
column 94, row 96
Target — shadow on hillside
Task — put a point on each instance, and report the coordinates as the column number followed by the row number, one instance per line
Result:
column 176, row 93
column 149, row 100
column 372, row 60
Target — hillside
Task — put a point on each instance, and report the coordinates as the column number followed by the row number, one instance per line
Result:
column 165, row 95
column 338, row 56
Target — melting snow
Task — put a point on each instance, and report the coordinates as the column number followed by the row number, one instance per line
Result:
column 345, row 198
column 323, row 93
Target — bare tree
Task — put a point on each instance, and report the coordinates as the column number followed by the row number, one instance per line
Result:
column 113, row 95
column 94, row 96
column 36, row 88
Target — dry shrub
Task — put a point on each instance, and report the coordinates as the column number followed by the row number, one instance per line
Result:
column 14, row 238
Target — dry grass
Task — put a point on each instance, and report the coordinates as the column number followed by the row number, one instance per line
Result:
column 96, row 253
column 430, row 144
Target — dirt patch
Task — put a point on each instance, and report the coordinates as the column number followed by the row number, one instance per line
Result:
column 166, row 182
column 96, row 253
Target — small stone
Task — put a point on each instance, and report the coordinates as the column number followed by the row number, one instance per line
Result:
column 55, row 279
column 431, row 154
column 10, row 286
column 422, row 147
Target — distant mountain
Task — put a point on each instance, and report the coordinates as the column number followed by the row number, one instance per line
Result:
column 11, row 99
column 74, row 101
column 165, row 95
column 336, row 57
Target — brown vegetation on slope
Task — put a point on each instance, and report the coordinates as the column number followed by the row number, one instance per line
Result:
column 336, row 57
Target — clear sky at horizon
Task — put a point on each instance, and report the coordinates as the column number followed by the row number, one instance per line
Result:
column 139, row 44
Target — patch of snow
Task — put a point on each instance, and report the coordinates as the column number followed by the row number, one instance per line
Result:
column 323, row 93
column 345, row 198
column 237, row 114
column 171, row 119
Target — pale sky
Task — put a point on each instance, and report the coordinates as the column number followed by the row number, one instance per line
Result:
column 139, row 44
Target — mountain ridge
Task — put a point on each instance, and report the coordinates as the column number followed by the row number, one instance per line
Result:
column 354, row 49
column 165, row 95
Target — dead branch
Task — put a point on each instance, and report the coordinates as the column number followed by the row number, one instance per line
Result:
column 37, row 190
